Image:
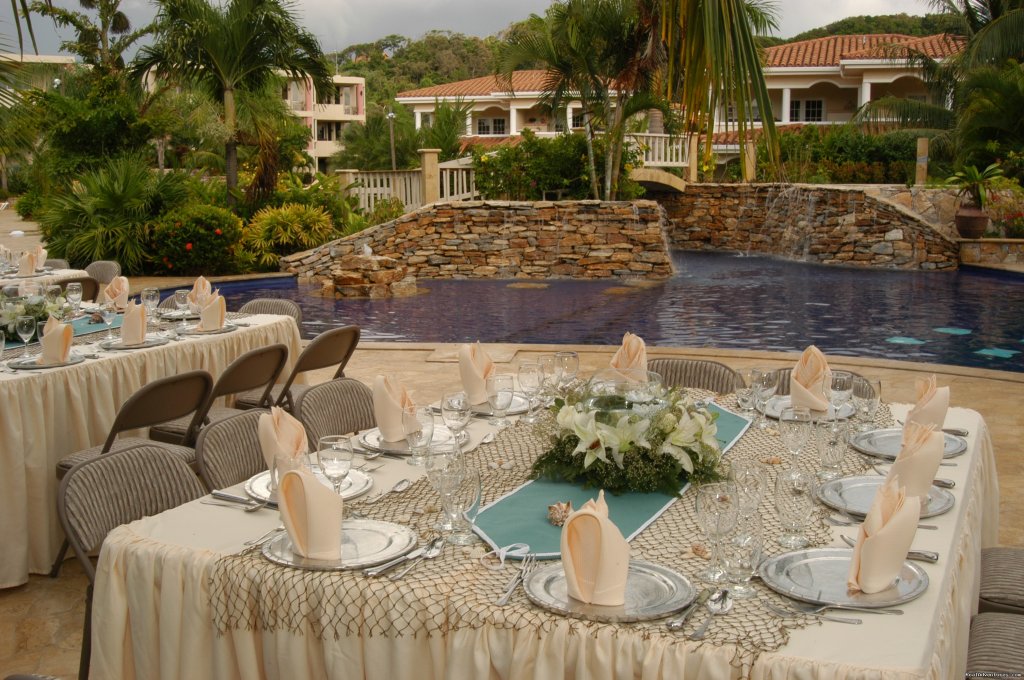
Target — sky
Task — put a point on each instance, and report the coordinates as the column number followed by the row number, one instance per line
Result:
column 339, row 23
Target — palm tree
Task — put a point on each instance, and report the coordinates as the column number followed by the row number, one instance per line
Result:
column 241, row 46
column 100, row 43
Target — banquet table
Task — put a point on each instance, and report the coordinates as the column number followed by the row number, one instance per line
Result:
column 178, row 595
column 48, row 414
column 48, row 278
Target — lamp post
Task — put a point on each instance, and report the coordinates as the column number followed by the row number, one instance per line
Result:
column 391, row 132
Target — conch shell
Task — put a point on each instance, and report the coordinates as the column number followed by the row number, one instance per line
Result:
column 559, row 512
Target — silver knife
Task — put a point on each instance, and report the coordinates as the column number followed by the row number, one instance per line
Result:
column 698, row 602
column 244, row 500
column 381, row 568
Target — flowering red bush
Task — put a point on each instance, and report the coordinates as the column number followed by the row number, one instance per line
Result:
column 200, row 239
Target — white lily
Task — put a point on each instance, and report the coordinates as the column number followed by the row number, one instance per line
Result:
column 622, row 435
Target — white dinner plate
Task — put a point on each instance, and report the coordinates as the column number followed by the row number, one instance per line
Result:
column 355, row 484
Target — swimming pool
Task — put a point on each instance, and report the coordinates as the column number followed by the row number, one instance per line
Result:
column 969, row 318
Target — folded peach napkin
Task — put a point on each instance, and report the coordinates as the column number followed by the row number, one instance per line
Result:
column 117, row 292
column 27, row 264
column 475, row 367
column 390, row 399
column 884, row 539
column 932, row 404
column 212, row 314
column 595, row 556
column 808, row 379
column 282, row 439
column 41, row 254
column 133, row 327
column 919, row 458
column 311, row 513
column 631, row 358
column 201, row 291
column 56, row 342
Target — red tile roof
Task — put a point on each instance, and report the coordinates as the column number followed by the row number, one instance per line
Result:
column 522, row 81
column 829, row 51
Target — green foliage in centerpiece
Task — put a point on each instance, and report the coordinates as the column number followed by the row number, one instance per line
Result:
column 36, row 306
column 613, row 442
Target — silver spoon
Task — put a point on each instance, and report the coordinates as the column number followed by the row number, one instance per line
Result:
column 917, row 555
column 718, row 604
column 400, row 486
column 432, row 550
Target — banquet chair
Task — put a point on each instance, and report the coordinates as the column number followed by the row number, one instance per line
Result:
column 1002, row 581
column 786, row 373
column 340, row 406
column 333, row 347
column 90, row 287
column 698, row 374
column 273, row 306
column 995, row 648
column 101, row 494
column 103, row 271
column 256, row 369
column 228, row 451
column 57, row 263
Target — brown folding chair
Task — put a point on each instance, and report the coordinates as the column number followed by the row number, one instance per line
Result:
column 273, row 306
column 340, row 406
column 255, row 370
column 327, row 349
column 103, row 271
column 90, row 287
column 697, row 373
column 228, row 451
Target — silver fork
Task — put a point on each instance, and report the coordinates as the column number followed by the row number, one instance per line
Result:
column 789, row 613
column 529, row 562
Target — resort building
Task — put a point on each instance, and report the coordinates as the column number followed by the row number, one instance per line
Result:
column 327, row 121
column 40, row 71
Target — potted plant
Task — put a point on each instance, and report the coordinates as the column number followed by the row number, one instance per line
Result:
column 973, row 186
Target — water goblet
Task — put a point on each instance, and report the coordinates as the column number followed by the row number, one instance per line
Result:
column 456, row 413
column 150, row 300
column 443, row 459
column 751, row 482
column 181, row 302
column 25, row 327
column 500, row 390
column 419, row 431
column 717, row 510
column 52, row 294
column 795, row 429
column 839, row 390
column 764, row 382
column 73, row 293
column 461, row 494
column 745, row 394
column 30, row 289
column 551, row 376
column 867, row 395
column 569, row 363
column 108, row 312
column 794, row 503
column 832, row 435
column 530, row 379
column 741, row 553
column 334, row 455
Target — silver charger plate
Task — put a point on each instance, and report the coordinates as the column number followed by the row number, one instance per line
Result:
column 887, row 443
column 176, row 315
column 777, row 404
column 854, row 495
column 355, row 484
column 30, row 364
column 364, row 543
column 194, row 330
column 652, row 592
column 118, row 346
column 818, row 575
column 374, row 441
column 520, row 405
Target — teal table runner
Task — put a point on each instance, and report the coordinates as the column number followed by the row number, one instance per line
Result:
column 82, row 326
column 731, row 426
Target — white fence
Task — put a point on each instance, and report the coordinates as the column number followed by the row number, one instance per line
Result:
column 458, row 184
column 661, row 151
column 373, row 186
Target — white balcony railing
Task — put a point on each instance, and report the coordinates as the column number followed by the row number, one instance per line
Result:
column 373, row 186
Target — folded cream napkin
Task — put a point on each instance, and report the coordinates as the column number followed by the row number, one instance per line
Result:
column 282, row 439
column 27, row 264
column 311, row 513
column 212, row 314
column 56, row 342
column 919, row 458
column 475, row 367
column 631, row 358
column 133, row 327
column 390, row 399
column 201, row 291
column 808, row 379
column 595, row 556
column 884, row 539
column 117, row 292
column 41, row 254
column 932, row 404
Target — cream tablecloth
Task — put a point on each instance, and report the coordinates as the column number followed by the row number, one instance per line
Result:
column 49, row 414
column 154, row 617
column 55, row 276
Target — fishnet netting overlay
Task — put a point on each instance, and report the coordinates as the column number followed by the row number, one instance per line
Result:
column 455, row 591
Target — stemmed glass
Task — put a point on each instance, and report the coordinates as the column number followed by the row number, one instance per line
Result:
column 419, row 431
column 717, row 511
column 109, row 312
column 551, row 376
column 751, row 482
column 832, row 435
column 443, row 459
column 500, row 390
column 52, row 293
column 745, row 394
column 150, row 299
column 181, row 302
column 795, row 429
column 456, row 413
column 334, row 454
column 867, row 395
column 73, row 293
column 569, row 365
column 763, row 382
column 794, row 503
column 460, row 494
column 530, row 379
column 839, row 391
column 741, row 555
column 25, row 327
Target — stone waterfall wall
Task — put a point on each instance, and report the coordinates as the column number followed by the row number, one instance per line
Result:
column 829, row 225
column 487, row 239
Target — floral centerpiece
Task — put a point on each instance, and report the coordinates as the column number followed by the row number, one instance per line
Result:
column 627, row 435
column 35, row 306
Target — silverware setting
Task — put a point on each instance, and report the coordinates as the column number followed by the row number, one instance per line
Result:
column 789, row 613
column 680, row 621
column 527, row 565
column 845, row 520
column 955, row 431
column 916, row 555
column 717, row 605
column 811, row 608
column 409, row 556
column 400, row 486
column 433, row 549
column 265, row 537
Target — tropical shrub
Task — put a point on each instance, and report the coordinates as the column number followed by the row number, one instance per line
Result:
column 1006, row 208
column 28, row 204
column 107, row 215
column 841, row 154
column 324, row 193
column 291, row 228
column 385, row 210
column 197, row 239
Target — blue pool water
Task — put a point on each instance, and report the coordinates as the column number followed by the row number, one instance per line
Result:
column 968, row 318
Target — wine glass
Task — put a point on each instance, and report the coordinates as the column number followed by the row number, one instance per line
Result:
column 334, row 454
column 73, row 293
column 441, row 459
column 717, row 510
column 150, row 299
column 795, row 429
column 763, row 382
column 530, row 379
column 569, row 364
column 832, row 435
column 500, row 390
column 551, row 376
column 25, row 327
column 419, row 431
column 745, row 394
column 461, row 492
column 181, row 302
column 741, row 553
column 794, row 503
column 108, row 312
column 751, row 482
column 867, row 395
column 52, row 293
column 839, row 390
column 456, row 413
